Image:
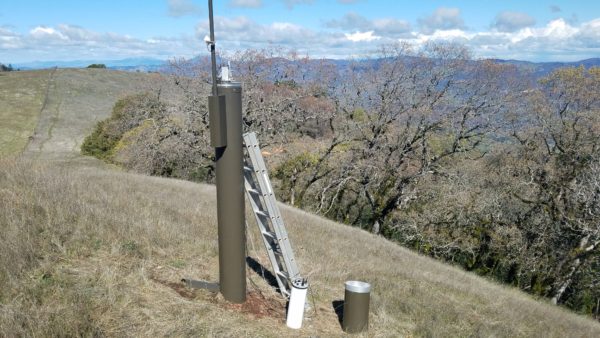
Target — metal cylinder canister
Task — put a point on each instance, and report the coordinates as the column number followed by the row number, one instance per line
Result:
column 230, row 198
column 356, row 306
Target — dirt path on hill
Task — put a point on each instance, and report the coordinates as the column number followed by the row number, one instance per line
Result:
column 76, row 99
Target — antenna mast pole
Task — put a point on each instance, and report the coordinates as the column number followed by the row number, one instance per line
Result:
column 213, row 56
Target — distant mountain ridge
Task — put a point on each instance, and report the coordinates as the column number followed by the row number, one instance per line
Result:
column 121, row 64
column 538, row 69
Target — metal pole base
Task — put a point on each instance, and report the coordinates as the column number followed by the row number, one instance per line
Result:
column 198, row 284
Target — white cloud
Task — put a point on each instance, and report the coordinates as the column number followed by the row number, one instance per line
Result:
column 77, row 33
column 450, row 34
column 362, row 36
column 557, row 29
column 349, row 21
column 246, row 3
column 68, row 42
column 512, row 21
column 41, row 32
column 443, row 19
column 242, row 30
column 589, row 33
column 557, row 40
column 241, row 33
column 388, row 27
column 178, row 8
column 391, row 26
column 9, row 39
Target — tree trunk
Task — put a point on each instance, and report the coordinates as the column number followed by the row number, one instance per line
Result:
column 582, row 250
column 376, row 228
column 292, row 196
column 293, row 188
column 566, row 282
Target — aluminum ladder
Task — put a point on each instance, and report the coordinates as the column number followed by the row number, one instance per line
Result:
column 269, row 220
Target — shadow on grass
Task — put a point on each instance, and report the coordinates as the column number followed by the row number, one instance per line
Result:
column 338, row 308
column 263, row 272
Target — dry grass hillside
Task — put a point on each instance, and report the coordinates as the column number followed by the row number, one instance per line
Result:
column 47, row 113
column 22, row 97
column 91, row 251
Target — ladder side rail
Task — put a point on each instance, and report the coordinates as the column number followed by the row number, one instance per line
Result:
column 257, row 201
column 267, row 229
column 270, row 202
column 258, row 162
column 282, row 282
column 258, row 196
column 255, row 194
column 262, row 177
column 263, row 180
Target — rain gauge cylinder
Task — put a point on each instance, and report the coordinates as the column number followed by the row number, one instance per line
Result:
column 356, row 306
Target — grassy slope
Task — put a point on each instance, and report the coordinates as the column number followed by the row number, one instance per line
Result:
column 22, row 97
column 48, row 112
column 86, row 250
column 76, row 100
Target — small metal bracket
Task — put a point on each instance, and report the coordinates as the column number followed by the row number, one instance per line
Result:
column 198, row 284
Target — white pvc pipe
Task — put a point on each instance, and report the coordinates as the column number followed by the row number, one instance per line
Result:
column 297, row 301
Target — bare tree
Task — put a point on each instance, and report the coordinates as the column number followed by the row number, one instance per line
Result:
column 400, row 119
column 285, row 96
column 560, row 149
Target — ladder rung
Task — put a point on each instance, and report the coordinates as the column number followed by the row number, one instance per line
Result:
column 283, row 274
column 276, row 251
column 254, row 191
column 261, row 213
column 270, row 234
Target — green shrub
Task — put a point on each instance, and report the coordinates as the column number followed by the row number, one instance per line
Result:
column 128, row 114
column 97, row 65
column 99, row 144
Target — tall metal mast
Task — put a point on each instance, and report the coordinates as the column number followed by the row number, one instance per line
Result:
column 225, row 116
column 213, row 56
column 225, row 113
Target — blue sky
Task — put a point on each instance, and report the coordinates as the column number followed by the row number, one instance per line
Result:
column 104, row 30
